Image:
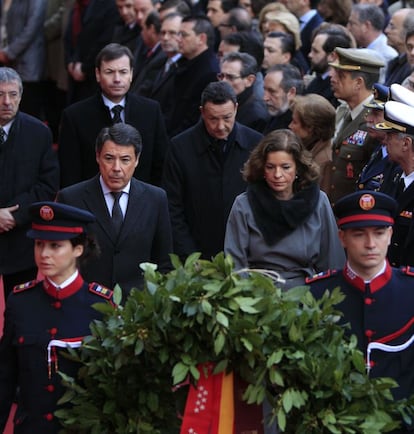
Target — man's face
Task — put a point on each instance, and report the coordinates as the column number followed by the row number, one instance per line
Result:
column 409, row 46
column 170, row 29
column 189, row 41
column 126, row 9
column 10, row 98
column 116, row 164
column 366, row 248
column 142, row 9
column 317, row 55
column 357, row 28
column 214, row 12
column 219, row 118
column 396, row 145
column 231, row 72
column 394, row 30
column 373, row 117
column 273, row 54
column 342, row 84
column 275, row 98
column 114, row 77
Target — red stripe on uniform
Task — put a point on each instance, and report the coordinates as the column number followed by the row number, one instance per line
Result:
column 363, row 217
column 73, row 230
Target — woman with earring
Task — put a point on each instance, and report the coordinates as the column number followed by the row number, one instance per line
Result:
column 283, row 222
column 43, row 317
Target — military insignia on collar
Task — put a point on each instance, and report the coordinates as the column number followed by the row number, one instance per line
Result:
column 46, row 213
column 367, row 202
column 23, row 286
column 319, row 276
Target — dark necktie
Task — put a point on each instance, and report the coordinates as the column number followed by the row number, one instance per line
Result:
column 401, row 187
column 2, row 136
column 117, row 216
column 116, row 110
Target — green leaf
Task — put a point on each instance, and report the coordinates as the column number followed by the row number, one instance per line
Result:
column 222, row 319
column 219, row 343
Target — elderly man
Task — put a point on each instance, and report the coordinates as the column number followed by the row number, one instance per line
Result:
column 379, row 299
column 399, row 128
column 352, row 78
column 29, row 172
column 202, row 173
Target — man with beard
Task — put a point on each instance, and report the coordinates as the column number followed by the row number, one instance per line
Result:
column 324, row 43
column 281, row 84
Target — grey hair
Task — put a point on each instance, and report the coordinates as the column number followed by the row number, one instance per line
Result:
column 8, row 75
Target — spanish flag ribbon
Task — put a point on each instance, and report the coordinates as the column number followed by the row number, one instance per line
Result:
column 210, row 405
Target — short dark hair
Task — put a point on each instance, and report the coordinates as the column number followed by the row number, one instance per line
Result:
column 113, row 52
column 202, row 25
column 121, row 134
column 239, row 19
column 287, row 42
column 248, row 63
column 153, row 19
column 287, row 141
column 218, row 92
column 337, row 36
column 291, row 77
column 370, row 78
column 181, row 6
column 248, row 42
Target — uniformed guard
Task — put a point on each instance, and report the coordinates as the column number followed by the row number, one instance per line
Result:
column 43, row 316
column 399, row 128
column 379, row 299
column 379, row 172
column 352, row 78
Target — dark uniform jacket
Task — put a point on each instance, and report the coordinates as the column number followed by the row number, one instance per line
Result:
column 352, row 148
column 378, row 173
column 401, row 249
column 35, row 314
column 29, row 172
column 126, row 35
column 201, row 187
column 278, row 122
column 145, row 235
column 381, row 311
column 397, row 70
column 81, row 124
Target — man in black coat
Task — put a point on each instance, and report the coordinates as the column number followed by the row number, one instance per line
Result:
column 196, row 69
column 143, row 231
column 29, row 172
column 202, row 174
column 127, row 30
column 81, row 122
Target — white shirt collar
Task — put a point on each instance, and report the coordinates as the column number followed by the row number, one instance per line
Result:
column 67, row 282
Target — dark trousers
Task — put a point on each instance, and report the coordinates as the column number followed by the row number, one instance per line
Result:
column 11, row 280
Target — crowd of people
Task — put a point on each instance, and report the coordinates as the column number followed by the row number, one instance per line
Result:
column 133, row 129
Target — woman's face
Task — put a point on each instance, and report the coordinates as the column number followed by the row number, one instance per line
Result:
column 56, row 259
column 280, row 173
column 270, row 25
column 298, row 128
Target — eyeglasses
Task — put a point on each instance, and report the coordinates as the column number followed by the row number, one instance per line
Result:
column 183, row 34
column 230, row 77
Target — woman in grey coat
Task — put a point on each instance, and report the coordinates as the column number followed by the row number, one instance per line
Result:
column 283, row 222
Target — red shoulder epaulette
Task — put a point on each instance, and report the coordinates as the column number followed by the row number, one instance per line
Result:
column 23, row 286
column 100, row 290
column 320, row 276
column 408, row 270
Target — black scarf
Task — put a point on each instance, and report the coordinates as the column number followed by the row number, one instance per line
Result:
column 277, row 218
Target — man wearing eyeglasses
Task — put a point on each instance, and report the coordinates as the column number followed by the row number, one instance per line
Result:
column 239, row 70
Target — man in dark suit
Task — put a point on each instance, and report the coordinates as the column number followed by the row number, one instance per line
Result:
column 81, row 122
column 162, row 90
column 198, row 67
column 29, row 172
column 127, row 30
column 202, row 174
column 132, row 221
column 90, row 27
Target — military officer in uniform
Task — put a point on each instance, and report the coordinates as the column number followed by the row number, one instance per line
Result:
column 42, row 317
column 379, row 172
column 399, row 128
column 379, row 299
column 352, row 77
